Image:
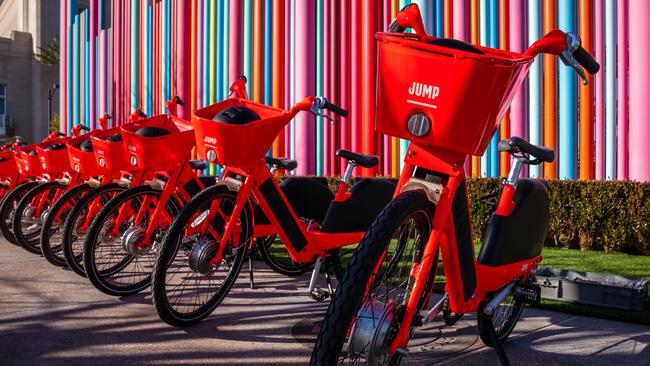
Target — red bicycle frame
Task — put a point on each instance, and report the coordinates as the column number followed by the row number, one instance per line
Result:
column 443, row 153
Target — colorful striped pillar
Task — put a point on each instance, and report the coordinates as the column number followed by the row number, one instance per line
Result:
column 483, row 39
column 184, row 57
column 368, row 78
column 94, row 14
column 610, row 89
column 63, row 78
column 319, row 83
column 277, row 56
column 599, row 45
column 622, row 147
column 639, row 29
column 567, row 99
column 135, row 54
column 235, row 41
column 586, row 131
column 305, row 70
column 535, row 85
column 550, row 93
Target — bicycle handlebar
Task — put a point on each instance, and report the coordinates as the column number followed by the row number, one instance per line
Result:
column 326, row 104
column 585, row 60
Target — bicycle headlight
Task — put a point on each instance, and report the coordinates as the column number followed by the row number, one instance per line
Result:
column 419, row 124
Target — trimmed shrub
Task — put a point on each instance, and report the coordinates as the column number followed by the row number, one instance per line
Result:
column 587, row 215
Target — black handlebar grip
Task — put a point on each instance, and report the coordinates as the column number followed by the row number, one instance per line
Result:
column 584, row 58
column 84, row 128
column 395, row 28
column 335, row 109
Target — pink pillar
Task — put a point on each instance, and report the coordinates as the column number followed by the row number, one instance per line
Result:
column 345, row 52
column 517, row 25
column 288, row 87
column 94, row 10
column 235, row 40
column 622, row 153
column 305, row 75
column 639, row 29
column 599, row 46
column 102, row 72
column 461, row 20
column 327, row 69
column 63, row 77
column 462, row 32
column 184, row 57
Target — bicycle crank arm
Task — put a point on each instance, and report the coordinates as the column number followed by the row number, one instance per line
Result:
column 497, row 300
column 435, row 310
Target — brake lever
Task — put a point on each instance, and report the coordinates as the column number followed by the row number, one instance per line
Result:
column 573, row 42
column 316, row 108
column 318, row 114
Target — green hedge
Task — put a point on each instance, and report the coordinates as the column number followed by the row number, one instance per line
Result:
column 589, row 215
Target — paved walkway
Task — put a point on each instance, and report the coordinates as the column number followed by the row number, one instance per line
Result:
column 50, row 316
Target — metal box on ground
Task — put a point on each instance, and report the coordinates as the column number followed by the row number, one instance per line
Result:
column 591, row 288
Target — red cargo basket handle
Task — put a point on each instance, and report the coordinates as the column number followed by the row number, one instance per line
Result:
column 409, row 17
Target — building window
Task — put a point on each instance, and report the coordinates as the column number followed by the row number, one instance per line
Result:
column 3, row 99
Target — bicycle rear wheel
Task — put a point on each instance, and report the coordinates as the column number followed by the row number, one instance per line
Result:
column 504, row 320
column 371, row 296
column 186, row 286
column 52, row 230
column 8, row 209
column 31, row 212
column 113, row 260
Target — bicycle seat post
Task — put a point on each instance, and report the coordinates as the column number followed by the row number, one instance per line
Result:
column 515, row 169
column 348, row 172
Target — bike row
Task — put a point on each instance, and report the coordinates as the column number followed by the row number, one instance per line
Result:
column 127, row 208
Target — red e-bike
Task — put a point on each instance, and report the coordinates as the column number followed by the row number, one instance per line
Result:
column 448, row 112
column 122, row 240
column 203, row 249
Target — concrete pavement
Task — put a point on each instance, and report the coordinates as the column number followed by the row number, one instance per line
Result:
column 50, row 316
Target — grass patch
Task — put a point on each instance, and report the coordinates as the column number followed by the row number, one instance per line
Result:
column 576, row 260
column 589, row 261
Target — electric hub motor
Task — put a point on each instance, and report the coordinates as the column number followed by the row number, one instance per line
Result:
column 201, row 255
column 131, row 238
column 369, row 334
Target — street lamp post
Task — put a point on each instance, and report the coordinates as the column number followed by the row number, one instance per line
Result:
column 50, row 95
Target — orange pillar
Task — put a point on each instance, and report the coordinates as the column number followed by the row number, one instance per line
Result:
column 586, row 97
column 504, row 130
column 278, row 68
column 474, row 26
column 550, row 92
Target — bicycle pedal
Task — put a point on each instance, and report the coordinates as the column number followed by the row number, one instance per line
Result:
column 529, row 294
column 417, row 321
column 319, row 294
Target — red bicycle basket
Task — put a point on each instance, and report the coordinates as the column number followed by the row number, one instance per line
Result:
column 161, row 153
column 110, row 154
column 463, row 94
column 28, row 164
column 8, row 166
column 54, row 162
column 236, row 145
column 83, row 161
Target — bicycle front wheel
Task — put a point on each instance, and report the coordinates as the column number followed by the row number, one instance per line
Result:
column 8, row 210
column 31, row 212
column 115, row 259
column 78, row 223
column 372, row 294
column 187, row 286
column 52, row 230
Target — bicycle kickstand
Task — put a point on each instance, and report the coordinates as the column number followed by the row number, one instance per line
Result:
column 250, row 272
column 316, row 293
column 498, row 346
